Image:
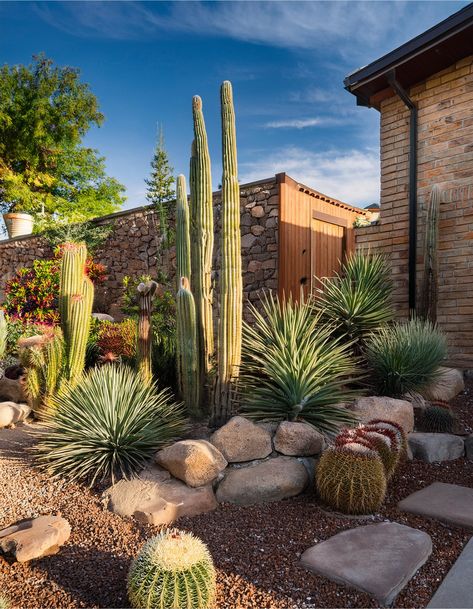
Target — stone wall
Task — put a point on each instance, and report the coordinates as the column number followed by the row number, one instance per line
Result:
column 445, row 158
column 132, row 247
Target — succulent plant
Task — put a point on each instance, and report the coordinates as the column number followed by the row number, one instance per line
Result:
column 173, row 570
column 146, row 291
column 3, row 334
column 186, row 347
column 183, row 247
column 438, row 419
column 351, row 479
column 392, row 426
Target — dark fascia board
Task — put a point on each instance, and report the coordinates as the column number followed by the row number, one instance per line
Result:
column 455, row 23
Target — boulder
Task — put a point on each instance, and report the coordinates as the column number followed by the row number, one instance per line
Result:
column 263, row 482
column 196, row 462
column 469, row 447
column 11, row 413
column 449, row 384
column 241, row 440
column 389, row 409
column 431, row 447
column 103, row 317
column 12, row 391
column 159, row 502
column 34, row 538
column 298, row 439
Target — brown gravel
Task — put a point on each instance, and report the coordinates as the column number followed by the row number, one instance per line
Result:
column 255, row 549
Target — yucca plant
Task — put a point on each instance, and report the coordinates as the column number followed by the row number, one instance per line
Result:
column 405, row 357
column 357, row 300
column 293, row 368
column 107, row 425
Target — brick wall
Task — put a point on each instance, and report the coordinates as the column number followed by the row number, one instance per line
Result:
column 131, row 248
column 445, row 158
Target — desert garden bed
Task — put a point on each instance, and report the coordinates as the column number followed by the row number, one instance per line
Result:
column 256, row 549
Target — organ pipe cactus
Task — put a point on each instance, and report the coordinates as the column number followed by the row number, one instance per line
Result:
column 187, row 353
column 174, row 570
column 429, row 288
column 183, row 247
column 202, row 239
column 3, row 334
column 231, row 285
column 146, row 291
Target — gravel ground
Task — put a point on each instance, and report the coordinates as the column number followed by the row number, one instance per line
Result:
column 255, row 549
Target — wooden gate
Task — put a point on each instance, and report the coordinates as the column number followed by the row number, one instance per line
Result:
column 328, row 245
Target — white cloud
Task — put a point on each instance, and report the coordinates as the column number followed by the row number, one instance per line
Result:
column 351, row 176
column 303, row 123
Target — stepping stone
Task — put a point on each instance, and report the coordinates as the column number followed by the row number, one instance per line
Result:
column 378, row 558
column 432, row 447
column 447, row 502
column 456, row 590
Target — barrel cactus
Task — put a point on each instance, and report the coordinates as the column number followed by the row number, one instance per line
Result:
column 384, row 442
column 351, row 479
column 438, row 419
column 174, row 570
column 383, row 424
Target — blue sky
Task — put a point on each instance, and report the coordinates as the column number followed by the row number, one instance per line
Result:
column 286, row 60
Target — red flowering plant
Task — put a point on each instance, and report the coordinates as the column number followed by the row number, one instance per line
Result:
column 117, row 340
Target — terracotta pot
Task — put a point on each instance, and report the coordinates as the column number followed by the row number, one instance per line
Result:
column 18, row 224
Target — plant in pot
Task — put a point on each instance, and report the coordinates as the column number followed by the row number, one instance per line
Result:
column 15, row 209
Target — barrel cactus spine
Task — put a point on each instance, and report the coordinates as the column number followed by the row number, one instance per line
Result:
column 187, row 352
column 173, row 569
column 146, row 292
column 382, row 424
column 231, row 284
column 183, row 247
column 202, row 239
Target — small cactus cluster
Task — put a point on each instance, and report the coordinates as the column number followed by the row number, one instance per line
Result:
column 173, row 570
column 194, row 250
column 438, row 418
column 352, row 476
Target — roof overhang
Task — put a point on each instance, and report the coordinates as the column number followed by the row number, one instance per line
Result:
column 430, row 52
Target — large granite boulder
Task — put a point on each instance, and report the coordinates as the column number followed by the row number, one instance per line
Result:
column 448, row 384
column 431, row 447
column 298, row 439
column 241, row 440
column 11, row 413
column 34, row 538
column 388, row 409
column 263, row 482
column 12, row 391
column 196, row 462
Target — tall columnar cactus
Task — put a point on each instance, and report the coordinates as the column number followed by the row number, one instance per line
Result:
column 187, row 353
column 173, row 570
column 3, row 334
column 231, row 284
column 146, row 292
column 430, row 276
column 76, row 297
column 202, row 239
column 183, row 247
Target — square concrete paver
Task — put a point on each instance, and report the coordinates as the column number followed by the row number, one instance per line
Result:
column 378, row 558
column 447, row 502
column 456, row 590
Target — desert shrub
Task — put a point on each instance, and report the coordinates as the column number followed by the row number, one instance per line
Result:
column 117, row 340
column 293, row 368
column 357, row 300
column 405, row 357
column 109, row 424
column 351, row 479
column 173, row 569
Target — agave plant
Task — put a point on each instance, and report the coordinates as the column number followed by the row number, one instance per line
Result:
column 108, row 424
column 293, row 368
column 357, row 300
column 405, row 357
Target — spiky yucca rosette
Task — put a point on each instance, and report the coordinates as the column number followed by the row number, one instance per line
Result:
column 351, row 479
column 174, row 570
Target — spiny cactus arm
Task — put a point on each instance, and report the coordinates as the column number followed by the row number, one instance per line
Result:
column 81, row 314
column 231, row 284
column 146, row 293
column 3, row 334
column 183, row 246
column 187, row 352
column 71, row 276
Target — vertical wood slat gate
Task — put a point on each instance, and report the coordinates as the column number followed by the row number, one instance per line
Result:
column 328, row 245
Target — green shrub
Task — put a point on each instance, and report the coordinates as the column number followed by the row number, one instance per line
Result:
column 108, row 424
column 405, row 357
column 293, row 368
column 357, row 300
column 173, row 569
column 351, row 479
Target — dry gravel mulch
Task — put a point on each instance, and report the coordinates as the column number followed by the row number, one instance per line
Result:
column 255, row 549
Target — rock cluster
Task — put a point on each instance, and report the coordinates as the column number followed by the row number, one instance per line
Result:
column 12, row 413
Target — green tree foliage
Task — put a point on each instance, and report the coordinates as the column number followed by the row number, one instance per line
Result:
column 45, row 111
column 160, row 191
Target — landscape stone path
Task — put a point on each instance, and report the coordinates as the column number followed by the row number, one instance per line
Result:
column 456, row 590
column 449, row 503
column 378, row 559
